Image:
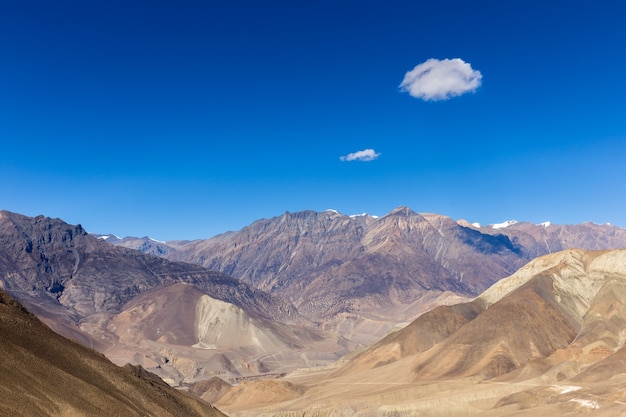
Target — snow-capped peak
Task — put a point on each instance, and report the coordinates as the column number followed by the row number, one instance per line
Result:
column 545, row 224
column 154, row 240
column 476, row 225
column 504, row 224
column 332, row 211
column 105, row 237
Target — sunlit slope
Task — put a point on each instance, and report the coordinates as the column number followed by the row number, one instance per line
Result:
column 548, row 340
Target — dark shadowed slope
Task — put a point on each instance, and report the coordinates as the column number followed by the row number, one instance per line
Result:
column 43, row 374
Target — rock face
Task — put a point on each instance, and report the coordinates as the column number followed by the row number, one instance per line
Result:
column 145, row 309
column 548, row 340
column 44, row 374
column 63, row 265
column 355, row 274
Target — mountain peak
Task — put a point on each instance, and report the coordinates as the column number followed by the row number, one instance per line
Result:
column 402, row 211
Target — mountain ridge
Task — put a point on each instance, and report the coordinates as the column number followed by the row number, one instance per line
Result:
column 344, row 272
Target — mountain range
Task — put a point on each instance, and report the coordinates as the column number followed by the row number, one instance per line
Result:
column 150, row 311
column 361, row 275
column 291, row 295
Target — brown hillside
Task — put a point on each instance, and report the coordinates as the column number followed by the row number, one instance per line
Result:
column 44, row 374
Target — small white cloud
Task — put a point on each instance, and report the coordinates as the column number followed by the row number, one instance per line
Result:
column 441, row 79
column 365, row 155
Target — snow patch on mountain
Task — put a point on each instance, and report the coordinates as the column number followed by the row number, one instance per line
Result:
column 105, row 237
column 504, row 224
column 358, row 215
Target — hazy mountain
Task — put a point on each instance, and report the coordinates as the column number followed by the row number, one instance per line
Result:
column 360, row 274
column 548, row 340
column 541, row 239
column 44, row 374
column 142, row 244
column 119, row 301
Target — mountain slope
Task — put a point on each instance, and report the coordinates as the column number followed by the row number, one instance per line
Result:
column 44, row 374
column 548, row 340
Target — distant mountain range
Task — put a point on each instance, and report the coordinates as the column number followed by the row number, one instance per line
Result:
column 359, row 275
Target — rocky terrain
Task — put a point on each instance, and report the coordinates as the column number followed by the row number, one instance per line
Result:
column 360, row 275
column 172, row 317
column 44, row 374
column 548, row 340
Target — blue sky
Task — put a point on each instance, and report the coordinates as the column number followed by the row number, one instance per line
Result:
column 186, row 119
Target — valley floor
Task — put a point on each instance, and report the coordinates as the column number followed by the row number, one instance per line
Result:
column 326, row 396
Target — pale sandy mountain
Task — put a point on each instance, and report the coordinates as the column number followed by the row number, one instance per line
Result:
column 548, row 340
column 182, row 334
column 43, row 374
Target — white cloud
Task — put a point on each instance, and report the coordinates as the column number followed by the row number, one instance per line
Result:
column 365, row 155
column 441, row 79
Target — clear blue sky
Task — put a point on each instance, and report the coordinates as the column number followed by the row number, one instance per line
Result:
column 185, row 119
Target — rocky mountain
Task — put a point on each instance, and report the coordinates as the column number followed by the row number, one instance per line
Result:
column 360, row 274
column 44, row 374
column 119, row 300
column 63, row 265
column 548, row 340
